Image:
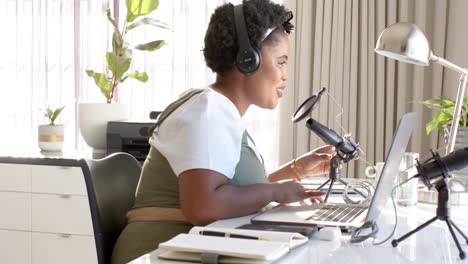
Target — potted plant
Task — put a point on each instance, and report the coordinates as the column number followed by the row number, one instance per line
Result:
column 51, row 135
column 442, row 121
column 93, row 118
column 444, row 115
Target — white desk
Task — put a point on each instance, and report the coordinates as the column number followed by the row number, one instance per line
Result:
column 433, row 244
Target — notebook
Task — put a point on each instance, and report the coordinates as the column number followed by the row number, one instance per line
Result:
column 348, row 215
column 231, row 245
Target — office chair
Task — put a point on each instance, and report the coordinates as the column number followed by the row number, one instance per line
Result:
column 111, row 183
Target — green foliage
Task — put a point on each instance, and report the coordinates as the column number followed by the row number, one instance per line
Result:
column 444, row 113
column 119, row 60
column 51, row 115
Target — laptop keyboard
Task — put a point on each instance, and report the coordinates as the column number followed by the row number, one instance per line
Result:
column 337, row 213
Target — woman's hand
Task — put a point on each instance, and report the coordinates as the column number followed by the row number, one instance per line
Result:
column 316, row 162
column 292, row 191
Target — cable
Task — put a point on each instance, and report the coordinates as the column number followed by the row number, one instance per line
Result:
column 356, row 236
column 337, row 116
column 366, row 186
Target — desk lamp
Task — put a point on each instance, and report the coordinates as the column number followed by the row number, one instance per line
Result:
column 405, row 42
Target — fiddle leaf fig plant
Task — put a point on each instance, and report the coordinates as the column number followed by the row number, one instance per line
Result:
column 444, row 114
column 119, row 60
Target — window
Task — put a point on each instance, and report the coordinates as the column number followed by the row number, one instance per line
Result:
column 48, row 44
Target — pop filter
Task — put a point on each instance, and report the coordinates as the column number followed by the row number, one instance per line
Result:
column 307, row 106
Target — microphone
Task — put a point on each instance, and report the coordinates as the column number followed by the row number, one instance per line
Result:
column 436, row 168
column 329, row 136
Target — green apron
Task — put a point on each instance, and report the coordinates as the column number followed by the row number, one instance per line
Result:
column 159, row 187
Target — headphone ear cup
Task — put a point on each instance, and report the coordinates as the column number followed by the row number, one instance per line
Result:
column 248, row 61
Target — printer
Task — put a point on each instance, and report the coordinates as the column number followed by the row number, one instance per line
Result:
column 130, row 137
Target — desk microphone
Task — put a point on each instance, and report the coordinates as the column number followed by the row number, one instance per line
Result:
column 345, row 151
column 436, row 168
column 433, row 172
column 329, row 136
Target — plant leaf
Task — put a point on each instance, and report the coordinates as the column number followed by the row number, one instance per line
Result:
column 431, row 125
column 441, row 102
column 102, row 82
column 443, row 115
column 443, row 97
column 49, row 112
column 108, row 14
column 116, row 43
column 136, row 8
column 117, row 36
column 56, row 114
column 149, row 21
column 151, row 46
column 140, row 76
column 117, row 64
column 430, row 105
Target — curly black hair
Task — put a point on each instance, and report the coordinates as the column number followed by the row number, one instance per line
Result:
column 221, row 44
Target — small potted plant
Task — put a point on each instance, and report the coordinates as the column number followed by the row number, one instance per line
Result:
column 93, row 117
column 51, row 135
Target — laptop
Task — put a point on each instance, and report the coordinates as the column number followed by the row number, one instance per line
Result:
column 348, row 215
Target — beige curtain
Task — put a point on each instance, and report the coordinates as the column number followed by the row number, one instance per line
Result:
column 333, row 48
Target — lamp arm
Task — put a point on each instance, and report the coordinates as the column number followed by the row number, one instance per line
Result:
column 448, row 64
column 456, row 113
column 459, row 101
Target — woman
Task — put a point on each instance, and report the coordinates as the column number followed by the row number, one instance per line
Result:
column 203, row 166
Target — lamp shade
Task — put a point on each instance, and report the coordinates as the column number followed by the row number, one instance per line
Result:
column 405, row 42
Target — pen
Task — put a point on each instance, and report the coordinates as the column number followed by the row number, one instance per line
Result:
column 224, row 234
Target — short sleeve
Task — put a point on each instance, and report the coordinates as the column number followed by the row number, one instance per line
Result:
column 203, row 133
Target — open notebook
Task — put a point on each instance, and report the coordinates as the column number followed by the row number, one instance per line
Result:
column 256, row 246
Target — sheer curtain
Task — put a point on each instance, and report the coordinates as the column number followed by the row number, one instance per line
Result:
column 334, row 45
column 48, row 44
column 36, row 68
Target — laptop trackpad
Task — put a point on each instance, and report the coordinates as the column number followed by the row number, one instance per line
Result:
column 288, row 214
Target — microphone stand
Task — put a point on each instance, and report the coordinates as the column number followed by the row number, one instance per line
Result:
column 443, row 214
column 334, row 175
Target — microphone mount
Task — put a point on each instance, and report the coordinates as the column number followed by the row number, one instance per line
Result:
column 422, row 168
column 346, row 157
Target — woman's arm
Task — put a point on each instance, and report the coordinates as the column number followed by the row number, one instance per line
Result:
column 316, row 162
column 205, row 197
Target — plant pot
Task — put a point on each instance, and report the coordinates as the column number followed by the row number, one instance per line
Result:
column 50, row 137
column 461, row 142
column 92, row 120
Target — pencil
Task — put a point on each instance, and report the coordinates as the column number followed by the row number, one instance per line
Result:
column 224, row 234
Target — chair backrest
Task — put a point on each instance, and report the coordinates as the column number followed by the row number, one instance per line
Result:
column 111, row 183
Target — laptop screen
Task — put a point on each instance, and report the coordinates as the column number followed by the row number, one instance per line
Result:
column 392, row 164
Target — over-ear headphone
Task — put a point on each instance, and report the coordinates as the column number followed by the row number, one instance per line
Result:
column 248, row 59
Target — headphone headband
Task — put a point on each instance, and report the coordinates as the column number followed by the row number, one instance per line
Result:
column 248, row 59
column 243, row 37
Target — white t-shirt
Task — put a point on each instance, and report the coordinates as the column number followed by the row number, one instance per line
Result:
column 203, row 133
